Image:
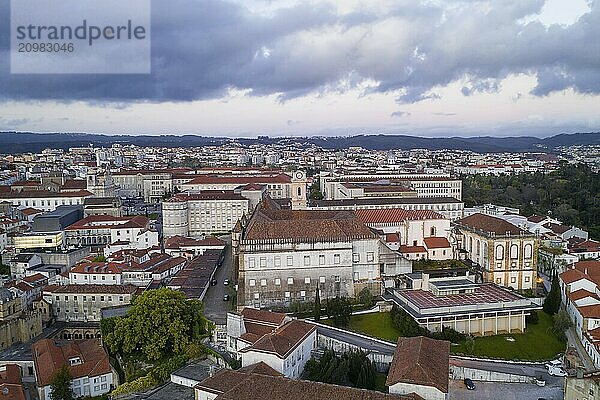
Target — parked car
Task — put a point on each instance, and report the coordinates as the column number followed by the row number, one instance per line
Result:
column 540, row 381
column 226, row 282
column 469, row 384
column 554, row 363
column 226, row 297
column 556, row 371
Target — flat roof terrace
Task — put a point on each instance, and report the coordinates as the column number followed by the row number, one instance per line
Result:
column 486, row 297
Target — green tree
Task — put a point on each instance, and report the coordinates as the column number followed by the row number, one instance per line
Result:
column 317, row 307
column 60, row 387
column 562, row 322
column 160, row 323
column 99, row 258
column 365, row 297
column 339, row 310
column 405, row 323
column 553, row 300
column 315, row 191
column 4, row 269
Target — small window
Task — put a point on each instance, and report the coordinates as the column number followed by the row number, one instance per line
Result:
column 321, row 279
column 263, row 262
column 336, row 259
column 306, row 260
column 370, row 256
column 287, row 295
column 302, row 293
column 277, row 281
column 263, row 282
column 290, row 281
column 355, row 257
column 290, row 261
column 252, row 282
column 256, row 296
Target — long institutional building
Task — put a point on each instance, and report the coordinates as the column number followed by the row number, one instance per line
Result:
column 286, row 255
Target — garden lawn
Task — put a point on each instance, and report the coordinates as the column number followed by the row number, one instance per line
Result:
column 536, row 344
column 376, row 324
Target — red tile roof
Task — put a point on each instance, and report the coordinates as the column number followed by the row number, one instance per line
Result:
column 394, row 215
column 236, row 385
column 306, row 225
column 50, row 355
column 241, row 179
column 489, row 225
column 436, row 243
column 412, row 249
column 264, row 316
column 581, row 294
column 11, row 385
column 572, row 275
column 592, row 311
column 420, row 361
column 108, row 221
column 284, row 340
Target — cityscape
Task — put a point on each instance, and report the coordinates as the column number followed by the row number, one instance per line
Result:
column 300, row 199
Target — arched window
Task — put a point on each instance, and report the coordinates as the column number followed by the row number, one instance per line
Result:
column 432, row 231
column 528, row 250
column 478, row 247
column 299, row 191
column 499, row 252
column 470, row 244
column 514, row 251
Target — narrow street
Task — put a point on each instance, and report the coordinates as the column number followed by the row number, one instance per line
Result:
column 215, row 308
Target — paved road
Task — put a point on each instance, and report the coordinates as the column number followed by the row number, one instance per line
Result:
column 215, row 308
column 22, row 351
column 533, row 370
column 504, row 391
column 363, row 343
column 573, row 341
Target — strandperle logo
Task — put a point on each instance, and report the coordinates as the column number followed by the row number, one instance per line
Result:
column 84, row 31
column 80, row 37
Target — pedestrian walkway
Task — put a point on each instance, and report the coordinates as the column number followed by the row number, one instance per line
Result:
column 573, row 340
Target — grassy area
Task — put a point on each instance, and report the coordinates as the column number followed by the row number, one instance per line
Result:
column 380, row 382
column 537, row 343
column 378, row 325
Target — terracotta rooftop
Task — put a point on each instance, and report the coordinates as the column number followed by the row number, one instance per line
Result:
column 412, row 249
column 11, row 385
column 175, row 242
column 436, row 242
column 490, row 225
column 43, row 194
column 305, row 225
column 420, row 361
column 108, row 222
column 50, row 355
column 237, row 385
column 264, row 316
column 282, row 341
column 592, row 311
column 394, row 215
column 101, row 289
column 240, row 179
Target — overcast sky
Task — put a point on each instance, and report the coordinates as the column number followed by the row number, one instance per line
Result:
column 290, row 67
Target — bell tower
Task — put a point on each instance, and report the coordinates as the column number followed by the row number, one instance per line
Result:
column 299, row 195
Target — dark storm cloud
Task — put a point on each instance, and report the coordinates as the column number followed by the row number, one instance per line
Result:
column 201, row 48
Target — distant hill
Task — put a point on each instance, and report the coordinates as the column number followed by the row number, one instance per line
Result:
column 22, row 142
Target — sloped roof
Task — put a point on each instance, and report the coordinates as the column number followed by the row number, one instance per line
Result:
column 436, row 242
column 50, row 355
column 391, row 215
column 490, row 225
column 282, row 341
column 422, row 361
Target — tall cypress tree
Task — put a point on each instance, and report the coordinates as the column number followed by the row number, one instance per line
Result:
column 317, row 310
column 552, row 302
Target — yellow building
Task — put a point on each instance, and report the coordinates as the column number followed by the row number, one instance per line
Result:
column 506, row 254
column 39, row 240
